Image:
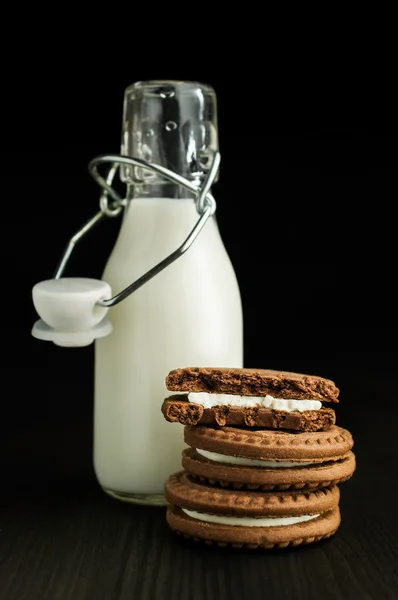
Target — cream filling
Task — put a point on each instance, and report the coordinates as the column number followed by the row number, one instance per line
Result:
column 249, row 462
column 210, row 400
column 248, row 521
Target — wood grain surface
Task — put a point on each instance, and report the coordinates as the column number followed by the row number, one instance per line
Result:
column 78, row 544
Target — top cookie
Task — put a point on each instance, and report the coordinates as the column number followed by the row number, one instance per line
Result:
column 252, row 382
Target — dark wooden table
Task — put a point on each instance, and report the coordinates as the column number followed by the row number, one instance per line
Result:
column 62, row 538
column 74, row 543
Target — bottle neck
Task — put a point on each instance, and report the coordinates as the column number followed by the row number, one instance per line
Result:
column 172, row 124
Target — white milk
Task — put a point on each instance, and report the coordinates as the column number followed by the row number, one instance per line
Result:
column 188, row 315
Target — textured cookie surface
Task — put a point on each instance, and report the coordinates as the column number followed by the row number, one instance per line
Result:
column 252, row 382
column 181, row 491
column 269, row 444
column 267, row 538
column 318, row 475
column 177, row 409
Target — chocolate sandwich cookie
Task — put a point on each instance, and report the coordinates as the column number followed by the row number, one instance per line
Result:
column 268, row 460
column 251, row 398
column 249, row 518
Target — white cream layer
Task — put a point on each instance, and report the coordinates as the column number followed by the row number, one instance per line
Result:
column 249, row 462
column 248, row 521
column 209, row 400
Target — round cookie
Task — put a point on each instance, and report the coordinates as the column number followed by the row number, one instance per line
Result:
column 252, row 382
column 268, row 460
column 178, row 409
column 248, row 518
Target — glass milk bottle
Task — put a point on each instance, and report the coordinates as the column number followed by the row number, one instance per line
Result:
column 190, row 314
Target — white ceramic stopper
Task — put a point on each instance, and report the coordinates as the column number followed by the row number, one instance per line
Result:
column 68, row 310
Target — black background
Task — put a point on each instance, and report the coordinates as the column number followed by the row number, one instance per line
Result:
column 306, row 208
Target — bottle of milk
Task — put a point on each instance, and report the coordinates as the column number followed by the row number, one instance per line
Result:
column 190, row 314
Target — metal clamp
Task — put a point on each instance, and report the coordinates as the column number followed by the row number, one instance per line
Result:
column 205, row 206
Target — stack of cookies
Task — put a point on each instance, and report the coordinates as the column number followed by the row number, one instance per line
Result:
column 264, row 458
